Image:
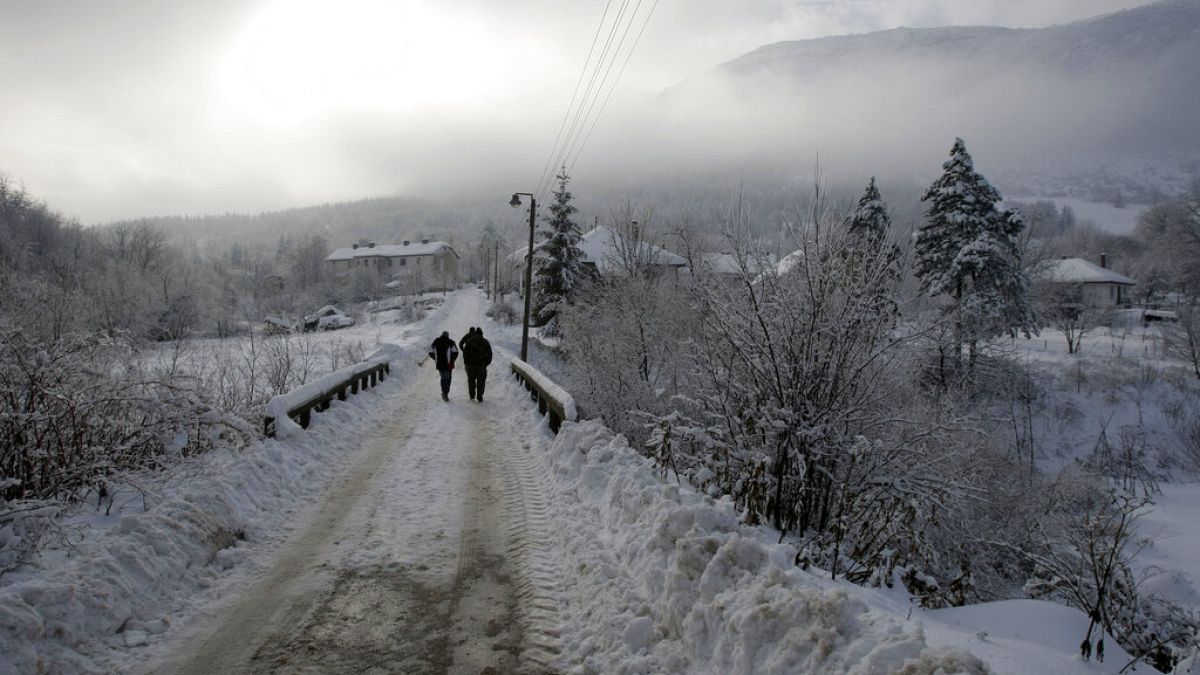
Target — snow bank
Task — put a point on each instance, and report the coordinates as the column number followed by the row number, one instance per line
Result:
column 552, row 390
column 1024, row 636
column 667, row 580
column 135, row 569
column 279, row 406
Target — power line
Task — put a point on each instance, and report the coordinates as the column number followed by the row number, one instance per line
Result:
column 607, row 97
column 575, row 121
column 570, row 106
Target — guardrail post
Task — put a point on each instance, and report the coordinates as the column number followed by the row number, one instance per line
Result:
column 305, row 417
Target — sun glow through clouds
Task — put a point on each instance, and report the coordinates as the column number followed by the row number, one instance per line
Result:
column 299, row 58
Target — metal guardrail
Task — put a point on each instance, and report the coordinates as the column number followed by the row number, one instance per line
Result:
column 548, row 404
column 353, row 382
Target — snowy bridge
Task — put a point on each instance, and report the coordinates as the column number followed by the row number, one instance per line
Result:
column 429, row 552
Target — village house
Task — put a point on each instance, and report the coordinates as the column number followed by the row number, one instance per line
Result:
column 608, row 253
column 433, row 264
column 729, row 265
column 1092, row 285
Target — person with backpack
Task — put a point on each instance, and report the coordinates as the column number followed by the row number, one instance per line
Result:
column 444, row 353
column 477, row 355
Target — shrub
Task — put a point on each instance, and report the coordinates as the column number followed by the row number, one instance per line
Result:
column 77, row 411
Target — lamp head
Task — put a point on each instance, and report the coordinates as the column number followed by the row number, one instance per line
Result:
column 515, row 201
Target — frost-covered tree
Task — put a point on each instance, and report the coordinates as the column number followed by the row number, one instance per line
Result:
column 968, row 250
column 560, row 270
column 870, row 219
column 867, row 246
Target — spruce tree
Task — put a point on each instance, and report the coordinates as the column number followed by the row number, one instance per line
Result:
column 872, row 261
column 870, row 219
column 560, row 271
column 968, row 250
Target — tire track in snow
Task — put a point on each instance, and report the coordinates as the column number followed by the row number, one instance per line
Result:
column 429, row 555
column 289, row 592
column 538, row 584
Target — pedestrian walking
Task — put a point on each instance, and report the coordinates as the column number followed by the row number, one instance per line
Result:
column 444, row 353
column 462, row 344
column 477, row 356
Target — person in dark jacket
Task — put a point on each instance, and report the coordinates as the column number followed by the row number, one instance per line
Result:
column 462, row 344
column 444, row 353
column 477, row 355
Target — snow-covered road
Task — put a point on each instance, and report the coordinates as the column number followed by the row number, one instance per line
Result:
column 404, row 534
column 421, row 558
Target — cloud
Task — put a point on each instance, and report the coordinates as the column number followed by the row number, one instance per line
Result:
column 129, row 108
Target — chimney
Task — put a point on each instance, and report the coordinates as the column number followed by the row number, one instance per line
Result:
column 406, row 242
column 424, row 241
column 371, row 245
column 356, row 246
column 1104, row 260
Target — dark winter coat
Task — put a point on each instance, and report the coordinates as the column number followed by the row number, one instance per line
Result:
column 477, row 352
column 462, row 344
column 444, row 352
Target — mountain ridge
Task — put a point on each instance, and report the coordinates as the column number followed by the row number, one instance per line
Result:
column 1136, row 32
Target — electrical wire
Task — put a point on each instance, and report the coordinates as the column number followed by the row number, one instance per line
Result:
column 571, row 105
column 560, row 158
column 604, row 106
column 569, row 146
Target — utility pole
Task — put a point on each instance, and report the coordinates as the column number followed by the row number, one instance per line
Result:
column 515, row 202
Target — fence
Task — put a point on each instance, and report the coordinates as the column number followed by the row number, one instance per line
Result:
column 552, row 400
column 299, row 404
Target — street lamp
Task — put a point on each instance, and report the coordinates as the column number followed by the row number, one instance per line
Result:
column 515, row 202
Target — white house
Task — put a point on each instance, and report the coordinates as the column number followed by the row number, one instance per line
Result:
column 1097, row 285
column 730, row 265
column 608, row 253
column 433, row 263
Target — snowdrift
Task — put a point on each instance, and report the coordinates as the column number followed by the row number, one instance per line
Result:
column 131, row 572
column 667, row 580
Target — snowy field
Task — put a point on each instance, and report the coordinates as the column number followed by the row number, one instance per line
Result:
column 402, row 534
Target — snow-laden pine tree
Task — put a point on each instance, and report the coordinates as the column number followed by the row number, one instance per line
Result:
column 560, row 270
column 871, row 258
column 968, row 250
column 870, row 219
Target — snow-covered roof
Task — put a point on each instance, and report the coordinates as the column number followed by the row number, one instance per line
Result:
column 727, row 263
column 1079, row 271
column 791, row 261
column 390, row 251
column 601, row 247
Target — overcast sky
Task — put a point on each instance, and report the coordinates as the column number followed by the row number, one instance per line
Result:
column 124, row 108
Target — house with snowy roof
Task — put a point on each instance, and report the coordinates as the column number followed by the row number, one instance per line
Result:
column 1096, row 285
column 730, row 264
column 610, row 253
column 433, row 263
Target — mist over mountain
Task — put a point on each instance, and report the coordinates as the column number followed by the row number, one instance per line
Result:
column 1107, row 93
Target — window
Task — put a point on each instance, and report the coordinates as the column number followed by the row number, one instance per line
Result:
column 403, row 261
